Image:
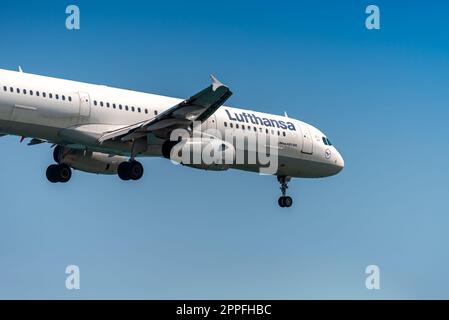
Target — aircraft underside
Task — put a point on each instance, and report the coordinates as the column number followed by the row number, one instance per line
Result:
column 115, row 158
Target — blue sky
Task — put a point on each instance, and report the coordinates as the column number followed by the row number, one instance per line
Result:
column 381, row 97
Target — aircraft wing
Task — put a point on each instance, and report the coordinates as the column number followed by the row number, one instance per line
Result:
column 197, row 108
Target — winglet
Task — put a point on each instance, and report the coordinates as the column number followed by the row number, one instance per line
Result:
column 20, row 69
column 215, row 83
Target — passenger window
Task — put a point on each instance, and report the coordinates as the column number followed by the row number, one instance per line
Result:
column 5, row 88
column 107, row 104
column 231, row 125
column 18, row 90
column 120, row 106
column 11, row 89
column 225, row 124
column 237, row 126
column 266, row 131
column 283, row 133
column 126, row 108
column 101, row 103
column 139, row 110
column 133, row 109
column 50, row 95
column 44, row 94
column 63, row 98
column 24, row 91
column 146, row 111
column 57, row 96
column 95, row 102
column 31, row 92
column 37, row 93
column 114, row 106
column 70, row 99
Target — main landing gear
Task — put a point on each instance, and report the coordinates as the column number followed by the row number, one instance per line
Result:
column 284, row 201
column 59, row 173
column 130, row 170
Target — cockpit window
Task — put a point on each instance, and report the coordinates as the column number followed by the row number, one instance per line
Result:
column 326, row 141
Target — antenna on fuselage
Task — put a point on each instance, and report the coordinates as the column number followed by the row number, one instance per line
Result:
column 20, row 69
column 285, row 114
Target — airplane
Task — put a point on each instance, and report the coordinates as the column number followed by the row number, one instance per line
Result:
column 103, row 130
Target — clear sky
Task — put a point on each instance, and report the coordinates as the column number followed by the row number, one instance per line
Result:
column 381, row 96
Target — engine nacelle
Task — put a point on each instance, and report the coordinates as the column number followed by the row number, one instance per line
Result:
column 88, row 161
column 205, row 153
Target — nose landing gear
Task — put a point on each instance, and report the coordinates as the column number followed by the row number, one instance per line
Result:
column 284, row 201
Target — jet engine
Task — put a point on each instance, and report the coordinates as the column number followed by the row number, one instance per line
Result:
column 88, row 161
column 201, row 153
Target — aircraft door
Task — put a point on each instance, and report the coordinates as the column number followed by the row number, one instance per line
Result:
column 307, row 141
column 211, row 123
column 84, row 104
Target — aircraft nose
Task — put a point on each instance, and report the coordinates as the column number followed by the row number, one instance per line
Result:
column 340, row 162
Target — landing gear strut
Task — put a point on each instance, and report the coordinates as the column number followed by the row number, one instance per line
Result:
column 284, row 201
column 130, row 170
column 59, row 173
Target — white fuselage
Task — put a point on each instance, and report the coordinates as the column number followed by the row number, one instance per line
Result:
column 76, row 114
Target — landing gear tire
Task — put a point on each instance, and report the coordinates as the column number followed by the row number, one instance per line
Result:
column 285, row 202
column 123, row 171
column 132, row 170
column 52, row 173
column 281, row 202
column 135, row 170
column 64, row 173
column 59, row 173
